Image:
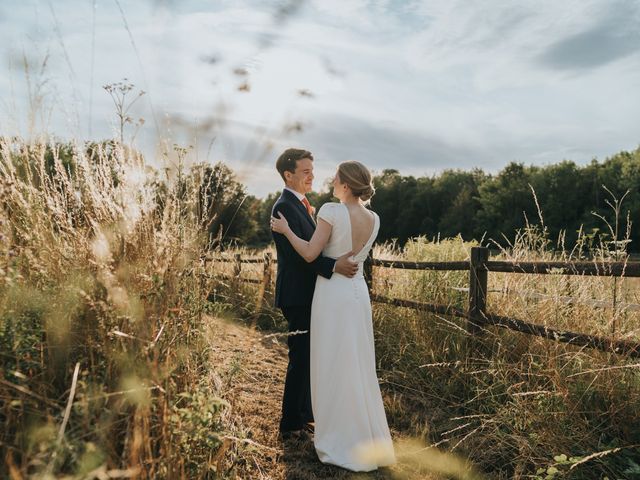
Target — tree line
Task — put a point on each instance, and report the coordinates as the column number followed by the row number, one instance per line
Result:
column 564, row 198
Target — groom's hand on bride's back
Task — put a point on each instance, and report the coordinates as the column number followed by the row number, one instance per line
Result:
column 346, row 267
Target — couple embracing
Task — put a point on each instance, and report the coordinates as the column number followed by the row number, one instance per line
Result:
column 331, row 386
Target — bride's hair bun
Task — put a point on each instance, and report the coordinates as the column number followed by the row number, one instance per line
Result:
column 358, row 179
column 367, row 192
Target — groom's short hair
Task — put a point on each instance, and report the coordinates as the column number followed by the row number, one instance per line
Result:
column 287, row 161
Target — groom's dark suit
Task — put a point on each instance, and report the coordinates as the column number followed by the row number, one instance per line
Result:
column 295, row 284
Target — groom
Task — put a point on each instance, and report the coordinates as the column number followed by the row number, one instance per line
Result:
column 295, row 284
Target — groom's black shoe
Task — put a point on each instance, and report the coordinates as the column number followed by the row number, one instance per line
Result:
column 294, row 436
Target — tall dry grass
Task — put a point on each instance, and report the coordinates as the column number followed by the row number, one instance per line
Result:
column 517, row 406
column 101, row 268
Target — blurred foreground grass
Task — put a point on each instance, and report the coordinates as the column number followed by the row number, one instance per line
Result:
column 100, row 264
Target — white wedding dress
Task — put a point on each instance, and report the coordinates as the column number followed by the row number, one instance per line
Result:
column 351, row 428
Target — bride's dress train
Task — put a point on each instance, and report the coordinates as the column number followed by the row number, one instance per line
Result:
column 351, row 428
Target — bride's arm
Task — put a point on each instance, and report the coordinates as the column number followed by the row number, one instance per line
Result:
column 307, row 250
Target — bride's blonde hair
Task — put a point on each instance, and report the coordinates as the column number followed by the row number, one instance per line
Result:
column 358, row 178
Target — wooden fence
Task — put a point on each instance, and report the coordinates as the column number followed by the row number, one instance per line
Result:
column 476, row 315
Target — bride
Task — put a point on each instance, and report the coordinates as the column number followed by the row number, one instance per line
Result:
column 350, row 425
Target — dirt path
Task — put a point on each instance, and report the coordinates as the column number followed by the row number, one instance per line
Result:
column 250, row 368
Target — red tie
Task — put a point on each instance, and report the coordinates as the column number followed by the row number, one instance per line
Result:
column 308, row 206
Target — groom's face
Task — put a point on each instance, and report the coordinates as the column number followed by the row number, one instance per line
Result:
column 302, row 179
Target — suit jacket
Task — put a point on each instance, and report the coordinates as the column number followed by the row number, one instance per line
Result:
column 296, row 277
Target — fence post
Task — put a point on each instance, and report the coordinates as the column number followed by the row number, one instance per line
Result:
column 236, row 280
column 367, row 270
column 266, row 281
column 237, row 268
column 477, row 289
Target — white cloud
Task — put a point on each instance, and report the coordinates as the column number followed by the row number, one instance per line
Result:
column 407, row 84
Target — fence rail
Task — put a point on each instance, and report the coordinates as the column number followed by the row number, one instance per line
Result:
column 420, row 265
column 477, row 316
column 608, row 269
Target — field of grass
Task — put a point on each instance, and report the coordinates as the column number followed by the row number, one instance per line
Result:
column 518, row 406
column 105, row 365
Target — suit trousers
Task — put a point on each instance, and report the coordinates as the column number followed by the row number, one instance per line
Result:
column 296, row 400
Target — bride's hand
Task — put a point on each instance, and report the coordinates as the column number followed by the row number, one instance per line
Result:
column 279, row 225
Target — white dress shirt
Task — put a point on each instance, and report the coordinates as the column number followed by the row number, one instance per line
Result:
column 297, row 194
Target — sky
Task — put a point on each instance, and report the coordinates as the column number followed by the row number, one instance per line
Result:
column 419, row 86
